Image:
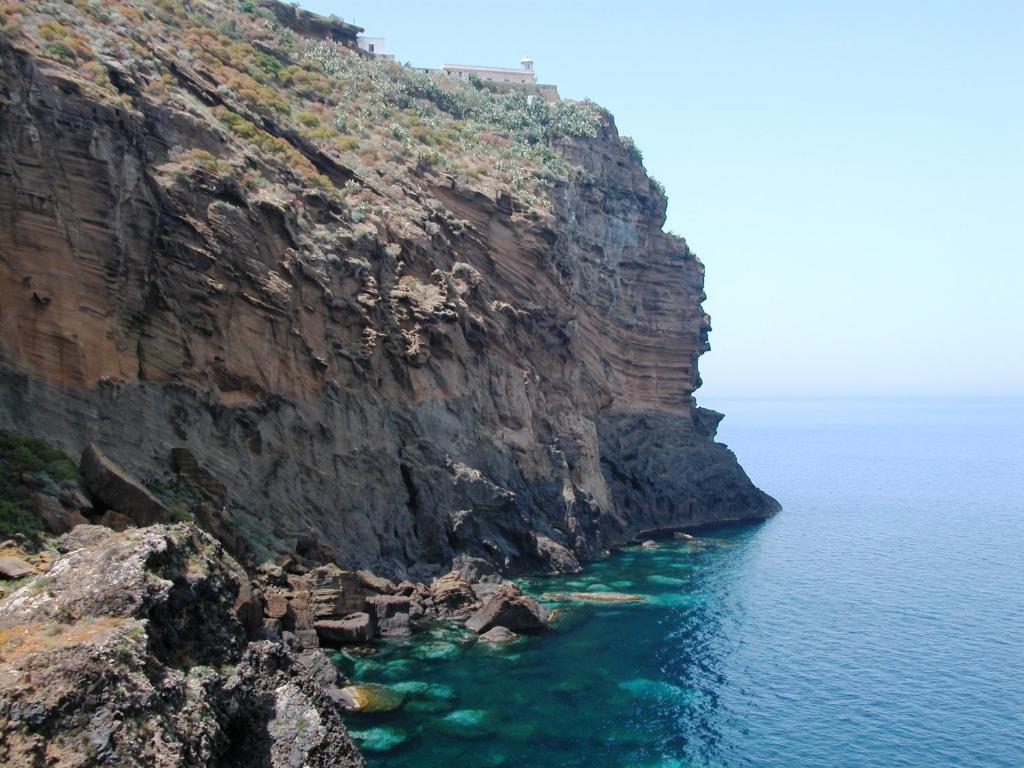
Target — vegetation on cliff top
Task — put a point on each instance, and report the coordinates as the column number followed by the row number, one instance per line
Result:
column 281, row 92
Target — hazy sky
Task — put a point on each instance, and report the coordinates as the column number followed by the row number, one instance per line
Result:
column 851, row 173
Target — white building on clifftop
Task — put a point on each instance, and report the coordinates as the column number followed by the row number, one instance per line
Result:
column 494, row 74
column 501, row 79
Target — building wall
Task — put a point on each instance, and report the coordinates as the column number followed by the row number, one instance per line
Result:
column 494, row 74
column 374, row 45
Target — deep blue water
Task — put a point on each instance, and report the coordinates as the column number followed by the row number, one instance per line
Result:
column 877, row 621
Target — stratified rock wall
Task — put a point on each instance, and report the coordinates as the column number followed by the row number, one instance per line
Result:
column 474, row 377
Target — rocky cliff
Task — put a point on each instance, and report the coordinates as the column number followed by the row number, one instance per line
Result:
column 331, row 304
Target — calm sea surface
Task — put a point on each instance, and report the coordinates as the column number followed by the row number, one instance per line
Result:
column 877, row 621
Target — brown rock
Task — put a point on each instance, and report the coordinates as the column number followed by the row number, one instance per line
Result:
column 509, row 608
column 248, row 605
column 375, row 583
column 114, row 520
column 114, row 489
column 453, row 596
column 14, row 568
column 55, row 516
column 276, row 605
column 356, row 628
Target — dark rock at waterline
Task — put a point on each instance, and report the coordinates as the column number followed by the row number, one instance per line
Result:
column 354, row 628
column 320, row 667
column 509, row 608
column 453, row 596
column 391, row 613
column 560, row 559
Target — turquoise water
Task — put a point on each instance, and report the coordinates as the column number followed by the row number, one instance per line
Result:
column 878, row 621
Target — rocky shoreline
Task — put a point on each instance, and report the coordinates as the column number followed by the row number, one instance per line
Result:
column 151, row 645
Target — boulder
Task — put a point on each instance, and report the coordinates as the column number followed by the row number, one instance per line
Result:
column 509, row 608
column 650, row 544
column 374, row 583
column 498, row 635
column 248, row 605
column 354, row 628
column 319, row 666
column 114, row 520
column 485, row 590
column 56, row 517
column 112, row 487
column 275, row 605
column 558, row 557
column 391, row 613
column 371, row 698
column 14, row 568
column 83, row 536
column 475, row 568
column 453, row 597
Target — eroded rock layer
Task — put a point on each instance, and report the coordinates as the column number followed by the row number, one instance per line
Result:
column 466, row 375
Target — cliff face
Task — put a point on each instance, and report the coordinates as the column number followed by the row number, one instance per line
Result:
column 436, row 363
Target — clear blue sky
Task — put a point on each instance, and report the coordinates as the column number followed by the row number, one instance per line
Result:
column 851, row 173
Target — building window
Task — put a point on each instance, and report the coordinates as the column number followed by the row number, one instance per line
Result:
column 371, row 47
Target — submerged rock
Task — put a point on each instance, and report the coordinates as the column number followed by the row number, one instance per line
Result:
column 371, row 697
column 466, row 723
column 594, row 597
column 498, row 635
column 381, row 739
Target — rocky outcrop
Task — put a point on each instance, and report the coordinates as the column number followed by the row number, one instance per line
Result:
column 388, row 367
column 129, row 652
column 511, row 609
column 112, row 488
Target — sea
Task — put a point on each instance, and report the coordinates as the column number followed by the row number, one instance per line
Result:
column 876, row 622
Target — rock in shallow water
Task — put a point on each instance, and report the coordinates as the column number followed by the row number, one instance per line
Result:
column 509, row 608
column 382, row 739
column 371, row 697
column 594, row 597
column 498, row 635
column 466, row 723
column 355, row 628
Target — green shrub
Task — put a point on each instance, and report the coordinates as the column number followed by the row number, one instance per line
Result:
column 62, row 52
column 632, row 149
column 20, row 456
